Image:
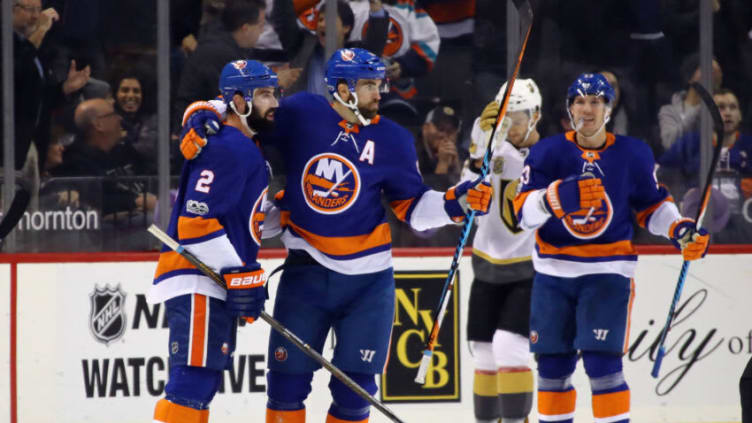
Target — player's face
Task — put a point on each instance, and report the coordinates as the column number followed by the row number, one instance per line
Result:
column 129, row 95
column 728, row 105
column 588, row 114
column 264, row 105
column 520, row 122
column 369, row 94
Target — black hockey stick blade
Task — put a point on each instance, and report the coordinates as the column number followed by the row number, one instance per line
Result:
column 715, row 114
column 15, row 212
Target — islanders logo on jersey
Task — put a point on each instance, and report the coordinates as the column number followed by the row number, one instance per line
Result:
column 590, row 223
column 256, row 221
column 330, row 183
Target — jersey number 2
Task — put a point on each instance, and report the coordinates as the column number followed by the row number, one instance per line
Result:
column 207, row 177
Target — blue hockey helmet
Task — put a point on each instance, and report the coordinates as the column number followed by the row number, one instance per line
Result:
column 591, row 84
column 244, row 76
column 350, row 65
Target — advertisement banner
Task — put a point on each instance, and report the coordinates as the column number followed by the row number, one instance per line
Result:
column 417, row 296
column 90, row 346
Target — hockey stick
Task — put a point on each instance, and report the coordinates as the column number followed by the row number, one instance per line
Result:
column 174, row 245
column 702, row 207
column 15, row 212
column 526, row 15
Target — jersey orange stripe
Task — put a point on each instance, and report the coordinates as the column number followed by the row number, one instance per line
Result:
column 553, row 403
column 642, row 217
column 519, row 201
column 344, row 245
column 611, row 404
column 400, row 208
column 198, row 334
column 610, row 139
column 196, row 227
column 618, row 248
column 169, row 261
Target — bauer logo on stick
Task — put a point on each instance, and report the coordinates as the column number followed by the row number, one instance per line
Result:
column 330, row 183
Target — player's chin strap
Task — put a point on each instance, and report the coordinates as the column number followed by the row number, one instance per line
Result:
column 577, row 126
column 530, row 126
column 353, row 106
column 243, row 116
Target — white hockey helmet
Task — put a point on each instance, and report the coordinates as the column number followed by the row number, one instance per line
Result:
column 525, row 96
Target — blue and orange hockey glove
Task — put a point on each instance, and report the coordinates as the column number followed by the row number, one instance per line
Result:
column 246, row 291
column 564, row 196
column 469, row 195
column 200, row 121
column 692, row 243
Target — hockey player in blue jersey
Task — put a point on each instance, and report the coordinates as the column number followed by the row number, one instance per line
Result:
column 579, row 189
column 340, row 159
column 224, row 231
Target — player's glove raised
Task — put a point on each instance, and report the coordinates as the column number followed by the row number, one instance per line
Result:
column 564, row 196
column 488, row 116
column 692, row 243
column 246, row 291
column 468, row 195
column 480, row 136
column 200, row 121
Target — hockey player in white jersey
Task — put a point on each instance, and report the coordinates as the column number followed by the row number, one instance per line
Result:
column 499, row 310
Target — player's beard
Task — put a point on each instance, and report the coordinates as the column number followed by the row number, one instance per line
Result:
column 261, row 123
column 369, row 113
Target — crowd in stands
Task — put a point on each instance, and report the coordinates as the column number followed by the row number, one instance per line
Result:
column 85, row 77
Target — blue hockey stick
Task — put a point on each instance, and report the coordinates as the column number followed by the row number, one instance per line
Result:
column 503, row 124
column 718, row 127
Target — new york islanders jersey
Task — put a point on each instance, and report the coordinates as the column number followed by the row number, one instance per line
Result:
column 502, row 251
column 595, row 241
column 218, row 215
column 336, row 173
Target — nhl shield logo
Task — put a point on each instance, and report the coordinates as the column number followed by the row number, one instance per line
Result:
column 107, row 317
